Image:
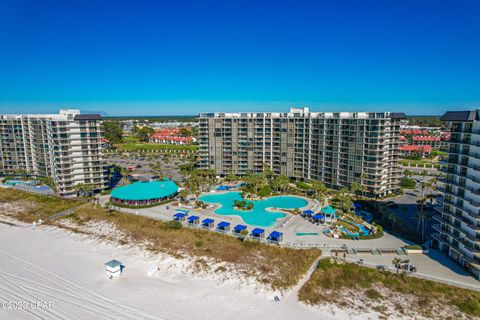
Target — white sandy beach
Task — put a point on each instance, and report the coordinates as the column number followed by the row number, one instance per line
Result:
column 66, row 270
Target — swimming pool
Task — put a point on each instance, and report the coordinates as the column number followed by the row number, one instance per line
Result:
column 303, row 234
column 362, row 228
column 259, row 216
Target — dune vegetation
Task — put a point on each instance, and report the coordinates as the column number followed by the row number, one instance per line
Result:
column 279, row 268
column 342, row 283
column 28, row 207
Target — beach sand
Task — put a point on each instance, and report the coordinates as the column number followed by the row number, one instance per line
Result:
column 66, row 272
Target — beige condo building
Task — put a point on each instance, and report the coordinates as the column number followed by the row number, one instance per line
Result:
column 64, row 146
column 337, row 148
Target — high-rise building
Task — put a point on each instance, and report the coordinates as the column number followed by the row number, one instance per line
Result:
column 338, row 148
column 64, row 146
column 459, row 219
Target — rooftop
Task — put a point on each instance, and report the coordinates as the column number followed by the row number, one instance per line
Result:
column 113, row 264
column 305, row 113
column 461, row 116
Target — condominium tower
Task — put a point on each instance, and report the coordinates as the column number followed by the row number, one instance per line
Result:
column 337, row 148
column 459, row 219
column 64, row 146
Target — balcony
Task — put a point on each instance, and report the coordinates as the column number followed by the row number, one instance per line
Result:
column 442, row 200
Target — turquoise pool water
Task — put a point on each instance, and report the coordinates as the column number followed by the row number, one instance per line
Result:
column 362, row 228
column 259, row 216
column 301, row 234
column 145, row 190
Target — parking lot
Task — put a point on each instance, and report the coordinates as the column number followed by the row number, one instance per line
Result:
column 166, row 167
column 405, row 208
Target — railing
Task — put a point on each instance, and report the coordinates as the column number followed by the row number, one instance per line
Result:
column 392, row 269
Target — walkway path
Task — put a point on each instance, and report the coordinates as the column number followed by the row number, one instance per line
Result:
column 66, row 212
column 293, row 293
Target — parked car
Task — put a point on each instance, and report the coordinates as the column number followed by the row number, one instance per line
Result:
column 391, row 204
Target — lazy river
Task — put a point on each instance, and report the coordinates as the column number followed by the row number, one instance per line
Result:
column 260, row 215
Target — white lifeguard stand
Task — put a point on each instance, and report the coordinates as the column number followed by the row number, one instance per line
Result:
column 113, row 268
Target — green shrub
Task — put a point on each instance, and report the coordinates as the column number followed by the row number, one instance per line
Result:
column 414, row 247
column 175, row 225
column 373, row 294
column 265, row 191
column 331, row 279
column 303, row 185
column 243, row 204
column 407, row 183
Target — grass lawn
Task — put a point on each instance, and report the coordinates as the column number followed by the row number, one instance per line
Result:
column 348, row 226
column 331, row 278
column 130, row 139
column 419, row 163
column 153, row 146
column 33, row 207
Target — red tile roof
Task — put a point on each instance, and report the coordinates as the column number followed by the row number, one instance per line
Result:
column 426, row 138
column 411, row 148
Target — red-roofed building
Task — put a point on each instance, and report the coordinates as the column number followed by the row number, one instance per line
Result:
column 409, row 150
column 422, row 137
column 105, row 143
column 171, row 136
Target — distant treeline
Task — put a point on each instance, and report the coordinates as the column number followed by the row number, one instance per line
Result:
column 152, row 118
column 426, row 121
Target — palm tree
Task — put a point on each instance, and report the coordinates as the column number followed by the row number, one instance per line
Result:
column 421, row 216
column 279, row 183
column 254, row 180
column 319, row 187
column 343, row 200
column 421, row 202
column 357, row 189
column 383, row 212
column 396, row 262
column 183, row 194
column 267, row 172
column 231, row 176
column 430, row 197
column 393, row 219
column 197, row 193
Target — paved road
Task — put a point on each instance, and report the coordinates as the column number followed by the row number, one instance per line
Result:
column 407, row 206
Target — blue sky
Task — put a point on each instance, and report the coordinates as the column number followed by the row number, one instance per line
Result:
column 185, row 57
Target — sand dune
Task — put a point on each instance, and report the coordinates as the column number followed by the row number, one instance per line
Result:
column 65, row 271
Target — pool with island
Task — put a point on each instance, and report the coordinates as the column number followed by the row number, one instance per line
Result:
column 260, row 215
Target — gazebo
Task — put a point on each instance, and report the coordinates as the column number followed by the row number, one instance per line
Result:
column 193, row 220
column 208, row 223
column 318, row 218
column 275, row 236
column 258, row 233
column 238, row 229
column 223, row 226
column 308, row 213
column 179, row 216
column 330, row 214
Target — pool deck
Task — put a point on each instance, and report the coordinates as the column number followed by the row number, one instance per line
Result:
column 432, row 266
